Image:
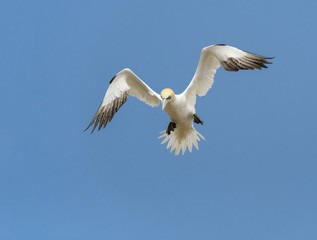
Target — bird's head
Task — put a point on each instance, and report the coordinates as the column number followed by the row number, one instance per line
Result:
column 167, row 95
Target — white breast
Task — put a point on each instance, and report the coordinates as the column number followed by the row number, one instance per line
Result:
column 180, row 111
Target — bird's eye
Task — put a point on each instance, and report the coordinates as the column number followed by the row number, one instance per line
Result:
column 169, row 97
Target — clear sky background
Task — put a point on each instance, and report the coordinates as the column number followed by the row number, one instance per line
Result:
column 255, row 176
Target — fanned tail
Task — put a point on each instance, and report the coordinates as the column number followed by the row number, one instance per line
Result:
column 182, row 138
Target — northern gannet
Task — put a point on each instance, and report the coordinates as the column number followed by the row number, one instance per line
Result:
column 180, row 132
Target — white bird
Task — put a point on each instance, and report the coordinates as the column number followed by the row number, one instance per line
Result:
column 180, row 132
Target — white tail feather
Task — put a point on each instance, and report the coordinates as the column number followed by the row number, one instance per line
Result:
column 181, row 139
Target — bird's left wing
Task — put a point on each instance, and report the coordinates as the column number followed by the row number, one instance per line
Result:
column 122, row 85
column 211, row 58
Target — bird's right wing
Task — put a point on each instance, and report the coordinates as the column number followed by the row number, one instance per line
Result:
column 211, row 58
column 122, row 85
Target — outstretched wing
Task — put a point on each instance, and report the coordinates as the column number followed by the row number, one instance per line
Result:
column 211, row 58
column 122, row 85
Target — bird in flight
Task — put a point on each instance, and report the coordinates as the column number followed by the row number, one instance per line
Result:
column 180, row 133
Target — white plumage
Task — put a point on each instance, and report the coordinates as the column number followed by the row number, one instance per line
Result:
column 180, row 133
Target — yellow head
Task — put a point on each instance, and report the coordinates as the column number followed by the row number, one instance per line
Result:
column 167, row 95
column 167, row 92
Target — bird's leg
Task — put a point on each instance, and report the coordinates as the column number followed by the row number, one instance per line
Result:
column 197, row 119
column 170, row 128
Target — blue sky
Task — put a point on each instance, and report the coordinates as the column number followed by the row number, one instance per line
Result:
column 253, row 178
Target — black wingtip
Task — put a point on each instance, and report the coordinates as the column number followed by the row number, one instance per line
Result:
column 267, row 62
column 87, row 129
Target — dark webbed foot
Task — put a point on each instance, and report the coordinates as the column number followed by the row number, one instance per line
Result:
column 197, row 119
column 170, row 128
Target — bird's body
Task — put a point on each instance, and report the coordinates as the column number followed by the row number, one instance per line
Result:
column 181, row 112
column 180, row 133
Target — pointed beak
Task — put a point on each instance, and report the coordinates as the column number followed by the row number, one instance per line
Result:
column 164, row 102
